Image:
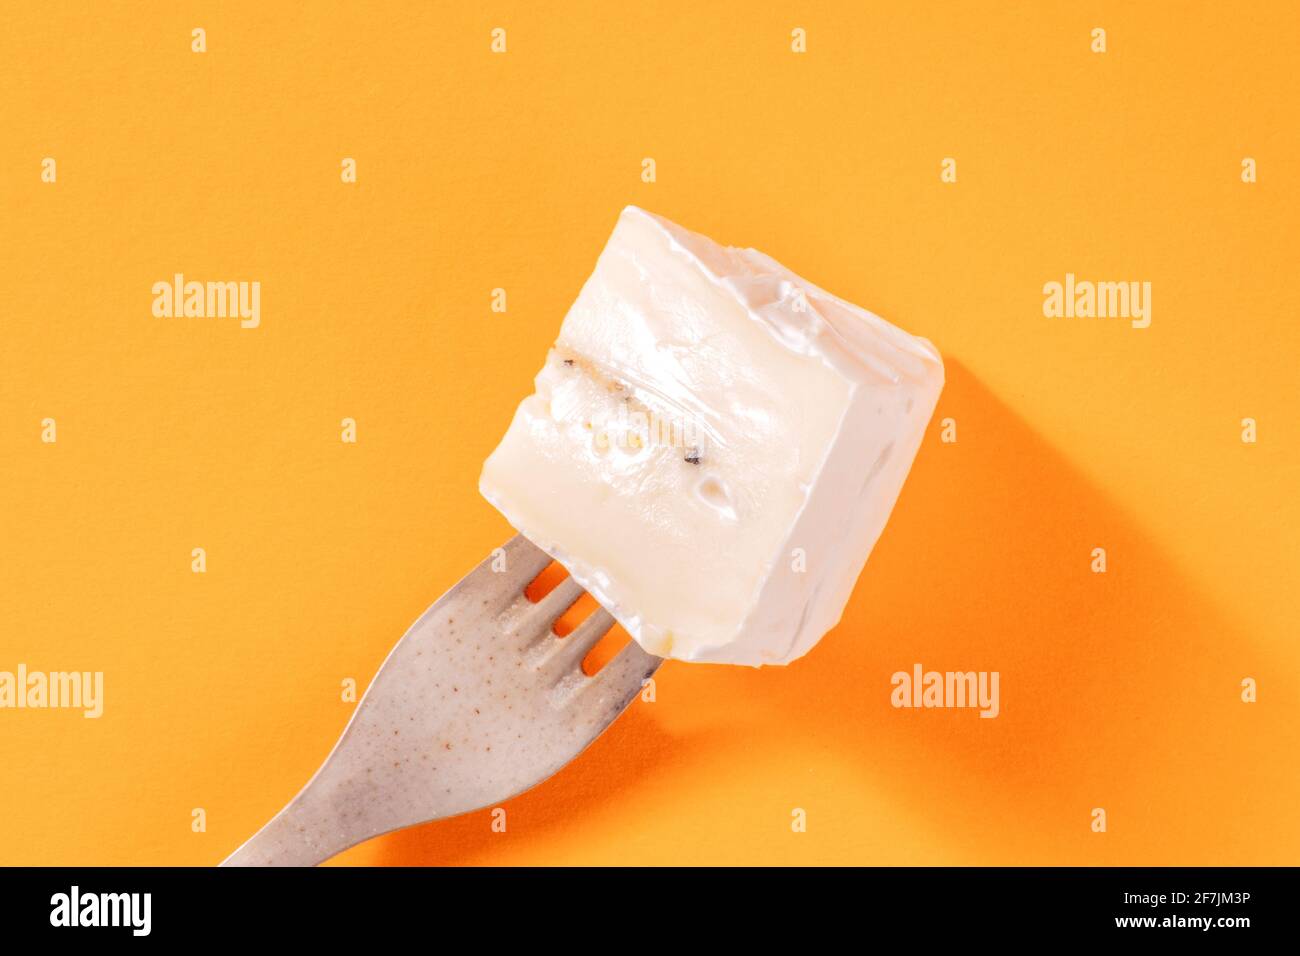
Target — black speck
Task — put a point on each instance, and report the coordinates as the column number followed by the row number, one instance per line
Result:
column 692, row 456
column 568, row 362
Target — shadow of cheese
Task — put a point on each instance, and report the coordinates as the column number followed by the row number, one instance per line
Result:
column 1117, row 690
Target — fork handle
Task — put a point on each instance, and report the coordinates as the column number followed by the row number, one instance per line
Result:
column 305, row 833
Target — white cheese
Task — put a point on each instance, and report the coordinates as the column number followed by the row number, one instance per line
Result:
column 714, row 445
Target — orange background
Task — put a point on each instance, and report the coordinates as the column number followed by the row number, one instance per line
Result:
column 479, row 170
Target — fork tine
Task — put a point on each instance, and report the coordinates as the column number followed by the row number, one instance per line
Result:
column 542, row 615
column 519, row 561
column 573, row 649
column 625, row 675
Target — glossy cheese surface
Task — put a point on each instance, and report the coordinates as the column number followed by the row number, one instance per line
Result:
column 714, row 445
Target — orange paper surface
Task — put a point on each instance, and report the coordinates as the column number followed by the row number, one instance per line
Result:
column 476, row 171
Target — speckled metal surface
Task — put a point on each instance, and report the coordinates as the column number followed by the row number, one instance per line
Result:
column 478, row 702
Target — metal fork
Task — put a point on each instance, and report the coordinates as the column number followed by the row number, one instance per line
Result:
column 479, row 701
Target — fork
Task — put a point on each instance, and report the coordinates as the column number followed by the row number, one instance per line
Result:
column 479, row 701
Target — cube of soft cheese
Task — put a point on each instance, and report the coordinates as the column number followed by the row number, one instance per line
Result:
column 714, row 445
